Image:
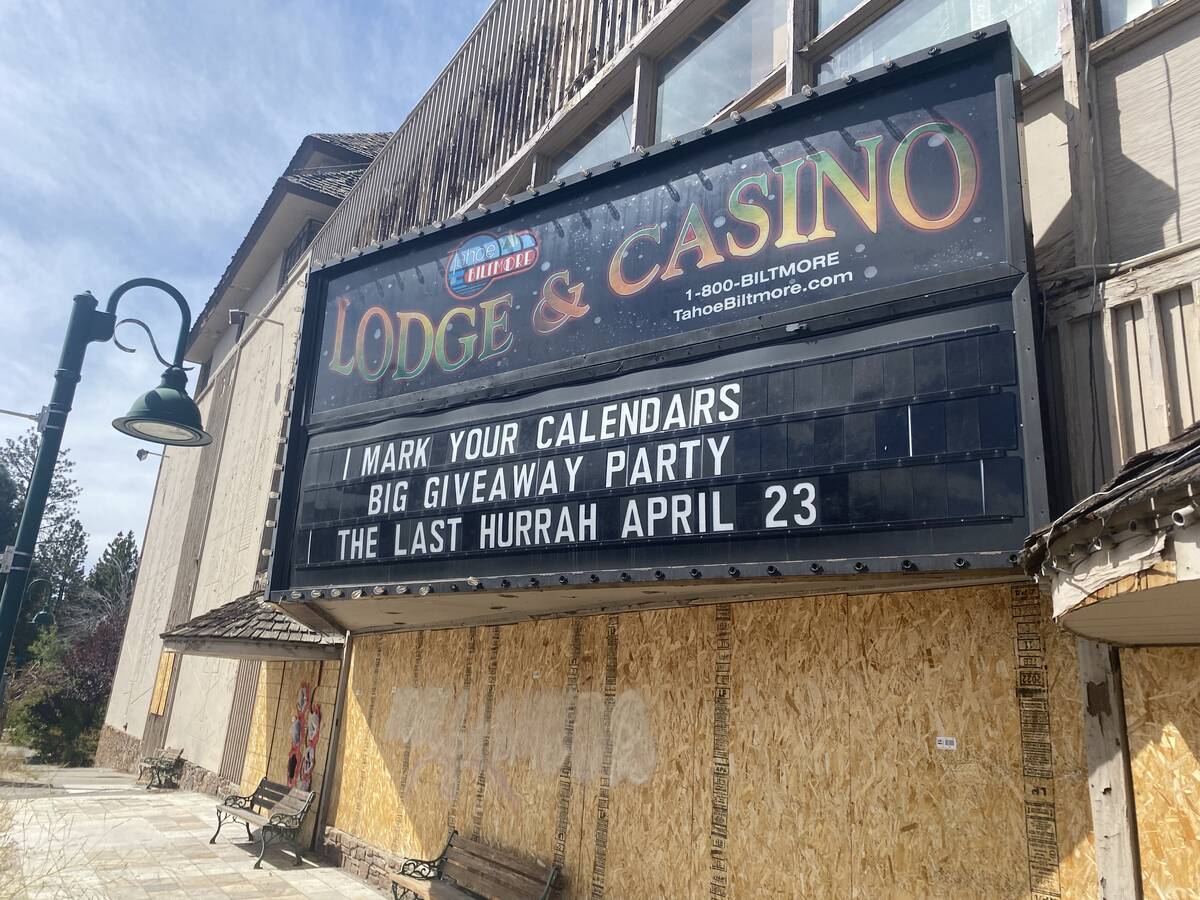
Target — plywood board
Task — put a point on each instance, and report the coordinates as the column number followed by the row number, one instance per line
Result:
column 526, row 740
column 757, row 749
column 926, row 822
column 428, row 720
column 1162, row 715
column 790, row 791
column 661, row 759
column 359, row 754
column 1076, row 846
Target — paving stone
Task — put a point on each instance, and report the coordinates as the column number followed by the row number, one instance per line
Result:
column 94, row 834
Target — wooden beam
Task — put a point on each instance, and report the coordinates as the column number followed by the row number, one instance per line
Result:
column 331, row 746
column 1110, row 782
column 1083, row 135
column 645, row 102
column 801, row 27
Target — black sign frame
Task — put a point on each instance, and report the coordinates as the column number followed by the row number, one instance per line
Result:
column 1011, row 279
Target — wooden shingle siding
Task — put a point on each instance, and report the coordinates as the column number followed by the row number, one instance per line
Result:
column 523, row 63
column 1150, row 137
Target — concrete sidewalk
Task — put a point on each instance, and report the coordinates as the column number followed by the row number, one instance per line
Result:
column 93, row 833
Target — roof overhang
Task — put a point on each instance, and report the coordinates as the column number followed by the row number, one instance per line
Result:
column 1123, row 566
column 261, row 650
column 440, row 607
column 289, row 206
column 248, row 628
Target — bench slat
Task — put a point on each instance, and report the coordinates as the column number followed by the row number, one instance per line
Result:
column 501, row 873
column 245, row 814
column 495, row 884
column 483, row 852
column 431, row 890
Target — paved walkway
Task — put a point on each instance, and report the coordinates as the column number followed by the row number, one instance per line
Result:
column 91, row 833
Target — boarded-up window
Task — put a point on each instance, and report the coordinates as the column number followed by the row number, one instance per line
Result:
column 1181, row 347
column 1131, row 367
column 162, row 683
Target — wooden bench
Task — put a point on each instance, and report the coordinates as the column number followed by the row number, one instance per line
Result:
column 468, row 870
column 163, row 768
column 277, row 810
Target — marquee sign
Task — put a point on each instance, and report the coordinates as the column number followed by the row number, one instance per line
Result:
column 800, row 339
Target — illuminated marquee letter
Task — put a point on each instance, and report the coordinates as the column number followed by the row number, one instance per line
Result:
column 445, row 363
column 337, row 363
column 789, row 206
column 616, row 274
column 828, row 171
column 693, row 235
column 966, row 176
column 360, row 346
column 749, row 214
column 403, row 370
column 497, row 338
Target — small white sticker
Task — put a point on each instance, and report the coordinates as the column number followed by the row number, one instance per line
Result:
column 947, row 743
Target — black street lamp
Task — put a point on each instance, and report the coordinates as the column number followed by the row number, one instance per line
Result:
column 44, row 617
column 165, row 415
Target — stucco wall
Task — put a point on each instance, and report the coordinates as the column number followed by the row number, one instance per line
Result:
column 204, row 694
column 231, row 546
column 1048, row 169
column 134, row 678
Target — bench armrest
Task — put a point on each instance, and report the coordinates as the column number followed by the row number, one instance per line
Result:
column 427, row 868
column 283, row 820
column 237, row 801
column 422, row 868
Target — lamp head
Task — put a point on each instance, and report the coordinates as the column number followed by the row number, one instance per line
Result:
column 166, row 415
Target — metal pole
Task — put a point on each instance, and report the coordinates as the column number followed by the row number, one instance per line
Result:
column 85, row 326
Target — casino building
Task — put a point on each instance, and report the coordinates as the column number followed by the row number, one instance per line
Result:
column 734, row 449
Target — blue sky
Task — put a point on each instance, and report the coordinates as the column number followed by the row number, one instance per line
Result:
column 141, row 138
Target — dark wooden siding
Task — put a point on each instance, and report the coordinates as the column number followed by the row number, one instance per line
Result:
column 523, row 63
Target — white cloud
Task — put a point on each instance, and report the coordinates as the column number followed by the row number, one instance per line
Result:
column 142, row 139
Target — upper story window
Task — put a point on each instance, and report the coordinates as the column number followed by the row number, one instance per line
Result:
column 719, row 62
column 920, row 23
column 609, row 136
column 1115, row 13
column 296, row 249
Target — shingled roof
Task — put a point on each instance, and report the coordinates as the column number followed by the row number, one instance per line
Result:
column 1159, row 471
column 332, row 181
column 248, row 628
column 365, row 143
column 327, row 185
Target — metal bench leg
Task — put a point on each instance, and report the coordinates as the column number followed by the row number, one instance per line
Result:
column 220, row 822
column 262, row 837
column 296, row 844
column 249, row 836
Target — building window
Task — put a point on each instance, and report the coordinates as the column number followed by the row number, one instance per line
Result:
column 915, row 24
column 1115, row 13
column 609, row 136
column 722, row 60
column 296, row 249
column 162, row 683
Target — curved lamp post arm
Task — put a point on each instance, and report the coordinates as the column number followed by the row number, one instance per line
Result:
column 185, row 312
